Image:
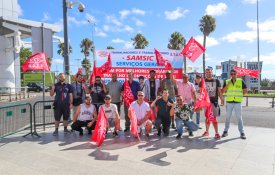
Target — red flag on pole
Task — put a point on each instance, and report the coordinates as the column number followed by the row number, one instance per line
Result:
column 37, row 61
column 134, row 125
column 209, row 115
column 246, row 72
column 92, row 77
column 161, row 60
column 106, row 66
column 100, row 128
column 128, row 96
column 193, row 49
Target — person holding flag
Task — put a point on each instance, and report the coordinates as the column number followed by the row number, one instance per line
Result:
column 234, row 89
column 142, row 111
column 129, row 93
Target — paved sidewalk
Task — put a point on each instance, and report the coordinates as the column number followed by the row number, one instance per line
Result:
column 71, row 154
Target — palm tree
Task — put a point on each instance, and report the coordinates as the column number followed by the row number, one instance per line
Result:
column 176, row 41
column 61, row 49
column 207, row 25
column 140, row 42
column 110, row 47
column 86, row 46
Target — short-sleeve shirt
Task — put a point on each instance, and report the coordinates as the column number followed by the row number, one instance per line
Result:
column 135, row 87
column 140, row 110
column 110, row 111
column 78, row 90
column 62, row 93
column 170, row 86
column 163, row 109
column 98, row 94
column 86, row 113
column 186, row 90
column 114, row 89
column 212, row 89
column 182, row 112
column 197, row 88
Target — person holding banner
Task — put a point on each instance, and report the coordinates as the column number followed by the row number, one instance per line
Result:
column 164, row 104
column 234, row 89
column 213, row 88
column 142, row 111
column 63, row 102
column 134, row 86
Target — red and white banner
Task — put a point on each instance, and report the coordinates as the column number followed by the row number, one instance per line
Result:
column 92, row 77
column 161, row 60
column 128, row 96
column 193, row 49
column 105, row 67
column 100, row 128
column 246, row 72
column 134, row 125
column 38, row 62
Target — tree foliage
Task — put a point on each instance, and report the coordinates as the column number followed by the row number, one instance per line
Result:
column 176, row 42
column 139, row 41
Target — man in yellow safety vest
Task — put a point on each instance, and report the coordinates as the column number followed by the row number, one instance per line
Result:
column 234, row 89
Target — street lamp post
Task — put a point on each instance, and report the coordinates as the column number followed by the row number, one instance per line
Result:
column 67, row 5
column 258, row 48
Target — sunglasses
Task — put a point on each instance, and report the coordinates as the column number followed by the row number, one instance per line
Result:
column 232, row 74
column 140, row 95
column 107, row 99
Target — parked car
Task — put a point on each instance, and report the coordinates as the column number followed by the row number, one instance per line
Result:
column 37, row 87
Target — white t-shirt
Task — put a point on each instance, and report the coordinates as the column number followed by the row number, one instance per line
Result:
column 140, row 110
column 110, row 111
column 86, row 113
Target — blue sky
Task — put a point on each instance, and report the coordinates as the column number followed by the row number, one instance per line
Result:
column 119, row 21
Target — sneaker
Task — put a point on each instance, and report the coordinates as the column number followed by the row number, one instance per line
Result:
column 178, row 136
column 55, row 133
column 147, row 135
column 126, row 130
column 224, row 134
column 66, row 131
column 173, row 126
column 191, row 134
column 217, row 136
column 200, row 127
column 89, row 132
column 115, row 134
column 205, row 134
column 159, row 133
column 80, row 133
column 243, row 136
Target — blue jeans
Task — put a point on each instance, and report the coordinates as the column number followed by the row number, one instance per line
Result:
column 180, row 123
column 198, row 117
column 238, row 112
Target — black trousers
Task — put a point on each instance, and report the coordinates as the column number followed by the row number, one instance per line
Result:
column 118, row 104
column 77, row 126
column 164, row 124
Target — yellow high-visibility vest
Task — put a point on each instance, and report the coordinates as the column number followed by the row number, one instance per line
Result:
column 235, row 92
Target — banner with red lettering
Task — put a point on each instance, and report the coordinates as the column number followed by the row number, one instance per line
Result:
column 193, row 49
column 246, row 72
column 161, row 61
column 38, row 62
column 100, row 128
column 128, row 96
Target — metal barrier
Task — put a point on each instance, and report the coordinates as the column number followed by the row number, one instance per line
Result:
column 272, row 101
column 14, row 93
column 15, row 118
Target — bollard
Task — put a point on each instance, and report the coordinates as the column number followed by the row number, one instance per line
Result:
column 247, row 101
column 10, row 95
column 273, row 102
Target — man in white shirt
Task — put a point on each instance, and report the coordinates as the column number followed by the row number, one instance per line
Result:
column 142, row 111
column 85, row 116
column 111, row 113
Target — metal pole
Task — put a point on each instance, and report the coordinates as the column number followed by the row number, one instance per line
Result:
column 258, row 48
column 66, row 42
column 184, row 57
column 43, row 79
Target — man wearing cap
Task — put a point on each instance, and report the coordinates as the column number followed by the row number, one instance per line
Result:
column 85, row 116
column 169, row 84
column 134, row 85
column 111, row 113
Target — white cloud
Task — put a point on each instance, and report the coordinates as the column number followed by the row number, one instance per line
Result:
column 59, row 23
column 73, row 20
column 127, row 29
column 134, row 11
column 138, row 22
column 210, row 41
column 99, row 32
column 90, row 18
column 216, row 10
column 128, row 45
column 19, row 9
column 267, row 32
column 58, row 61
column 138, row 11
column 267, row 59
column 46, row 17
column 124, row 13
column 106, row 28
column 112, row 20
column 176, row 14
column 118, row 40
column 250, row 1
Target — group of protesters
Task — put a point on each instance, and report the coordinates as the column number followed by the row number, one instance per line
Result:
column 158, row 104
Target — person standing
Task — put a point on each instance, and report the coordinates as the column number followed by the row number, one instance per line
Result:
column 62, row 102
column 198, row 95
column 97, row 92
column 85, row 116
column 213, row 88
column 142, row 84
column 234, row 89
column 114, row 90
column 169, row 84
column 164, row 105
column 134, row 86
column 142, row 111
column 152, row 86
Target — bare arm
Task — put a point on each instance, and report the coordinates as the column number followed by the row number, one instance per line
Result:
column 52, row 91
column 76, row 115
column 244, row 91
column 153, row 104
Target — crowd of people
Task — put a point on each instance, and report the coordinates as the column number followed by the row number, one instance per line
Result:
column 160, row 104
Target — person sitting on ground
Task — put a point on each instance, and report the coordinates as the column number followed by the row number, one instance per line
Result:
column 85, row 116
column 111, row 113
column 143, row 112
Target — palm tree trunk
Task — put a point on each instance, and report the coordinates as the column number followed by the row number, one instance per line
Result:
column 203, row 56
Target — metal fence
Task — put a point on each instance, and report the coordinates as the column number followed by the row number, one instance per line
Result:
column 15, row 118
column 10, row 94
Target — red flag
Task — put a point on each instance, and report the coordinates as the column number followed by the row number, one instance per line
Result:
column 106, row 66
column 128, row 96
column 209, row 115
column 100, row 128
column 92, row 77
column 161, row 60
column 152, row 116
column 79, row 72
column 134, row 125
column 193, row 49
column 246, row 72
column 37, row 61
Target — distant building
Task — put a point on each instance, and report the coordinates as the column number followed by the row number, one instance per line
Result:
column 252, row 83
